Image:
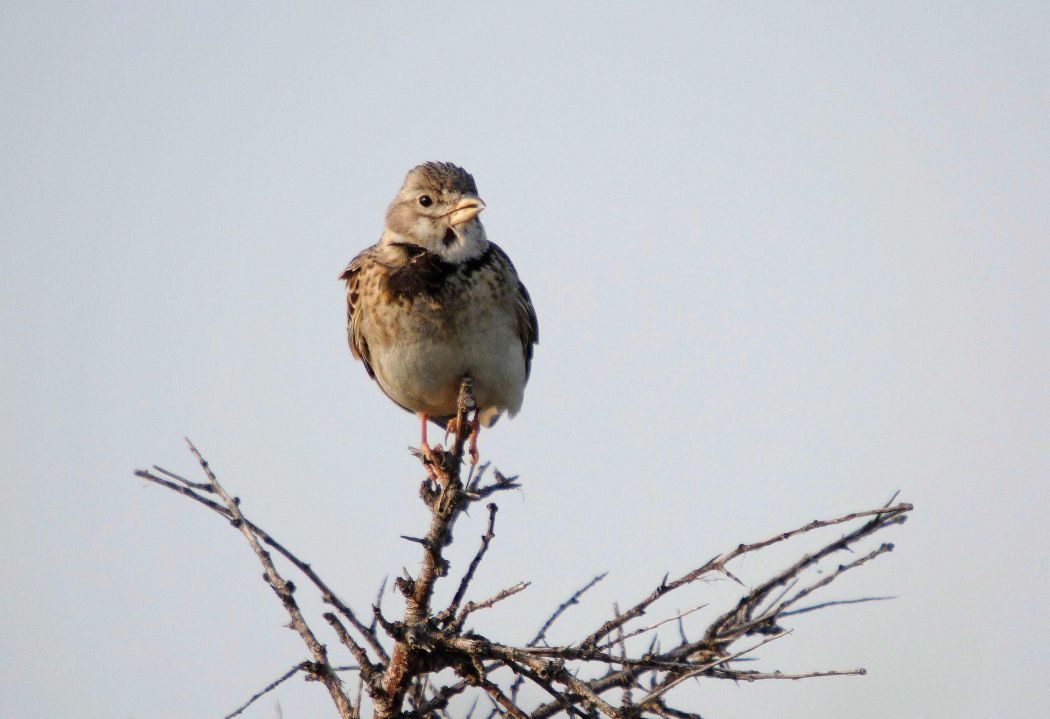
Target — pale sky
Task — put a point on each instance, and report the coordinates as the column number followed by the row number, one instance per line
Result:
column 787, row 259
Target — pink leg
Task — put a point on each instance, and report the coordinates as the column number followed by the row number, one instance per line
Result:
column 475, row 430
column 430, row 461
column 423, row 435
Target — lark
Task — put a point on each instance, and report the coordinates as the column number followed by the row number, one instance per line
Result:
column 435, row 301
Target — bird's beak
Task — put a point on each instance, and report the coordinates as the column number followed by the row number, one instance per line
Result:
column 465, row 210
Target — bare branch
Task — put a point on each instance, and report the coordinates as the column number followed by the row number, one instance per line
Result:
column 733, row 623
column 581, row 677
column 301, row 666
column 828, row 579
column 486, row 603
column 718, row 563
column 378, row 604
column 487, row 537
column 283, row 589
column 571, row 601
column 367, row 669
column 676, row 679
column 642, row 630
column 754, row 676
column 502, row 700
column 835, row 603
column 202, row 486
column 327, row 594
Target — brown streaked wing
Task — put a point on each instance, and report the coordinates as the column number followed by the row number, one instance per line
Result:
column 352, row 276
column 528, row 326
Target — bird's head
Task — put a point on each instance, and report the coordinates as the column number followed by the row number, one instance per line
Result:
column 437, row 209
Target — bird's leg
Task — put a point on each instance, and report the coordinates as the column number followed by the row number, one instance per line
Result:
column 452, row 427
column 430, row 460
column 473, row 426
column 475, row 430
column 423, row 446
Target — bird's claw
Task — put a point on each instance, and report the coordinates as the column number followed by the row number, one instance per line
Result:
column 473, row 426
column 433, row 458
column 475, row 429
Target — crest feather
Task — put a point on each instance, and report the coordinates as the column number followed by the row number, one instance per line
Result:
column 441, row 176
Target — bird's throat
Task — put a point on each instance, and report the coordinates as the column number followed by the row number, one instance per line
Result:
column 450, row 237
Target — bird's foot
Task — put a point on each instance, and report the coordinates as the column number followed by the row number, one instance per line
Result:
column 451, row 428
column 475, row 430
column 432, row 460
column 473, row 426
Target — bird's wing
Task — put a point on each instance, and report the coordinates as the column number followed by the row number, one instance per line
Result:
column 528, row 326
column 355, row 275
column 352, row 275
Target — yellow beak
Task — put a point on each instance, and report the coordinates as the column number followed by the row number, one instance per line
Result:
column 465, row 210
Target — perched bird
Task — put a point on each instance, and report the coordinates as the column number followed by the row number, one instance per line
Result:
column 434, row 301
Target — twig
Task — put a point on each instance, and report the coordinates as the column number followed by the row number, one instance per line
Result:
column 753, row 676
column 717, row 563
column 626, row 699
column 735, row 623
column 471, row 607
column 525, row 672
column 283, row 589
column 441, row 699
column 835, row 603
column 367, row 668
column 642, row 630
column 202, row 486
column 379, row 604
column 486, row 538
column 674, row 680
column 671, row 713
column 571, row 601
column 327, row 595
column 828, row 579
column 404, row 684
column 301, row 666
column 502, row 699
column 732, row 623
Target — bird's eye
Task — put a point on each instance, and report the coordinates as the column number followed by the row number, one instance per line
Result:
column 426, row 200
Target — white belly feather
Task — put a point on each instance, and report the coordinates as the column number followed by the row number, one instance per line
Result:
column 424, row 356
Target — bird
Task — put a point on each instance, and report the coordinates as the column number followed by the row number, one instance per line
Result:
column 434, row 301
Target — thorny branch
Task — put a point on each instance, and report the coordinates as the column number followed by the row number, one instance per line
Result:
column 401, row 662
column 321, row 669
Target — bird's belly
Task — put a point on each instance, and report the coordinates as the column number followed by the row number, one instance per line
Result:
column 421, row 363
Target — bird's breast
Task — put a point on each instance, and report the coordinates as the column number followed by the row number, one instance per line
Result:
column 423, row 345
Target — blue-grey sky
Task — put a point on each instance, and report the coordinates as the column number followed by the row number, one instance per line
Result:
column 787, row 259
